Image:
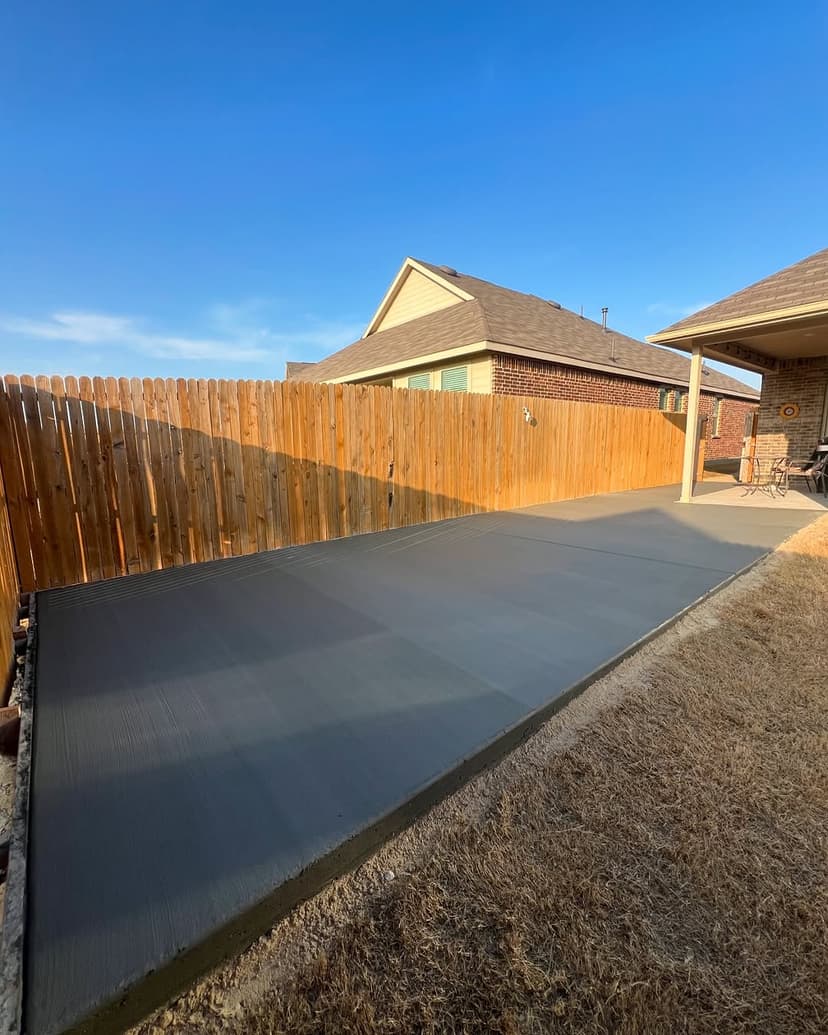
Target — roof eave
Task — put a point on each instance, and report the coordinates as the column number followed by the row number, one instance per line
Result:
column 757, row 321
column 475, row 348
column 516, row 350
column 616, row 369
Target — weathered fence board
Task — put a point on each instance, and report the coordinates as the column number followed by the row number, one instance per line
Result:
column 9, row 581
column 106, row 477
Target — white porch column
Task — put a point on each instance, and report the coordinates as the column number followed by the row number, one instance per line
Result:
column 691, row 433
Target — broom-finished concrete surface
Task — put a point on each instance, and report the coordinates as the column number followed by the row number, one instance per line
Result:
column 203, row 735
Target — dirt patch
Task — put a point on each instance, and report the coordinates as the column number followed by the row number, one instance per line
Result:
column 653, row 860
column 722, row 471
column 8, row 775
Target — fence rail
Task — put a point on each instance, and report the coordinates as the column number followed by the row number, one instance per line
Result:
column 107, row 477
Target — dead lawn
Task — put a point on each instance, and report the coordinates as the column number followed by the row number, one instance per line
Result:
column 658, row 868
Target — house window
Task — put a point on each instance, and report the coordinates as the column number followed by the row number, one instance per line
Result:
column 681, row 398
column 419, row 381
column 716, row 418
column 671, row 400
column 454, row 379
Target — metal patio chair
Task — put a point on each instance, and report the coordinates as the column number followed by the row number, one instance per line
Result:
column 779, row 474
column 814, row 473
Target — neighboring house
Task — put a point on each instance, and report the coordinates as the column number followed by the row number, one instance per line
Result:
column 779, row 327
column 293, row 369
column 440, row 329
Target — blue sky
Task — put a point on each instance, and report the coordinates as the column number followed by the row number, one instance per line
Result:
column 206, row 189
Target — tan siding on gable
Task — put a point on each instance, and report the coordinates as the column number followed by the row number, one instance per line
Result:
column 417, row 296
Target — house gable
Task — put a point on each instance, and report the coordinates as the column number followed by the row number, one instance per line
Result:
column 416, row 291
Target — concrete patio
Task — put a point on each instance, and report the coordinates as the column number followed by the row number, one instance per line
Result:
column 727, row 495
column 215, row 742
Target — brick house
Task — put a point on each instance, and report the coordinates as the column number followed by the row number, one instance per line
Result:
column 443, row 330
column 778, row 327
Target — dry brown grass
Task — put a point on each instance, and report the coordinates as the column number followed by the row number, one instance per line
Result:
column 664, row 871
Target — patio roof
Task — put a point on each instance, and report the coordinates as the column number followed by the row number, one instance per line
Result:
column 782, row 317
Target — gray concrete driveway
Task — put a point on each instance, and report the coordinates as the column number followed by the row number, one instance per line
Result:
column 214, row 742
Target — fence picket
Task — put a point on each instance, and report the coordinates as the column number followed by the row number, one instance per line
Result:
column 88, row 529
column 162, row 525
column 40, row 423
column 9, row 585
column 284, row 533
column 107, row 448
column 184, row 542
column 19, row 501
column 204, row 446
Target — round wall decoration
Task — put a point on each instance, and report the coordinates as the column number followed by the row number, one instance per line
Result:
column 789, row 410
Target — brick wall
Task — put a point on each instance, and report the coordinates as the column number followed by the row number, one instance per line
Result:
column 800, row 381
column 731, row 435
column 515, row 375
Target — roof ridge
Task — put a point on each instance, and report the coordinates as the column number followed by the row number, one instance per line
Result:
column 444, row 275
column 484, row 319
column 441, row 272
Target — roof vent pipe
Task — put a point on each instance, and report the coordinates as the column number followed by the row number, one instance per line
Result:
column 604, row 312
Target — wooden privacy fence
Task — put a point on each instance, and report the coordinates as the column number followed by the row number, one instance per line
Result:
column 106, row 477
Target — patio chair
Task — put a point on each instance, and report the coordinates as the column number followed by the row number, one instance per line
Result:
column 779, row 471
column 815, row 473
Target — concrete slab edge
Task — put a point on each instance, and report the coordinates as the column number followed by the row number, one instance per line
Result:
column 223, row 944
column 12, row 945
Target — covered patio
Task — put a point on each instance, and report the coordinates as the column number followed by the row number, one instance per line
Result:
column 777, row 327
column 744, row 495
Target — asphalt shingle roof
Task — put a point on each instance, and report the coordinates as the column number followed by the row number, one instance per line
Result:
column 514, row 319
column 293, row 367
column 802, row 283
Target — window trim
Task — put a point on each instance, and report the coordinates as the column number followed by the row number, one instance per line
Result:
column 671, row 400
column 716, row 417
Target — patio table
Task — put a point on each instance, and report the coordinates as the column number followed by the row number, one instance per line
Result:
column 770, row 478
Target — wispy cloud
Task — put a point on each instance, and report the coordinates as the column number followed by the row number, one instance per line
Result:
column 239, row 332
column 89, row 328
column 250, row 320
column 674, row 309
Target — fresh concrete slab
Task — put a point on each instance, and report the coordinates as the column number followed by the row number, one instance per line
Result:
column 213, row 743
